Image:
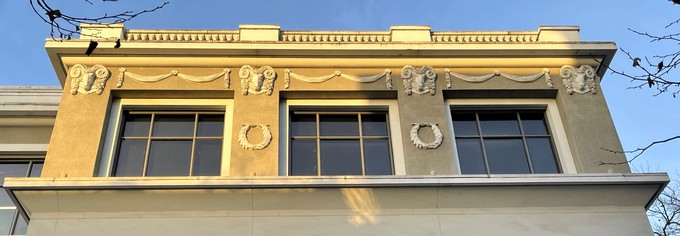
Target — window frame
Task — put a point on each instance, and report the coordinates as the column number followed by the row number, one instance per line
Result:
column 562, row 151
column 106, row 164
column 352, row 105
column 22, row 158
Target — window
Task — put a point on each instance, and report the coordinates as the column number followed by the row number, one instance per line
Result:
column 10, row 221
column 493, row 141
column 167, row 137
column 170, row 143
column 340, row 143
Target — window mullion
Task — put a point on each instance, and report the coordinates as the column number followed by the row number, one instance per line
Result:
column 148, row 144
column 193, row 146
column 361, row 146
column 318, row 145
column 481, row 142
column 524, row 142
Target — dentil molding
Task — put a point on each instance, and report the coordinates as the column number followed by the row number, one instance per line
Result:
column 88, row 80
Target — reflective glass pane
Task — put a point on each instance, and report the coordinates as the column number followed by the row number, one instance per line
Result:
column 340, row 157
column 470, row 156
column 169, row 158
column 464, row 124
column 542, row 157
column 374, row 124
column 303, row 125
column 506, row 156
column 173, row 126
column 377, row 159
column 4, row 199
column 210, row 126
column 6, row 218
column 13, row 170
column 130, row 158
column 303, row 157
column 497, row 123
column 136, row 125
column 207, row 157
column 36, row 169
column 533, row 123
column 339, row 125
column 20, row 226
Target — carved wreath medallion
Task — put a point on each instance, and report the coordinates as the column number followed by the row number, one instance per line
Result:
column 257, row 81
column 243, row 137
column 419, row 81
column 580, row 80
column 88, row 80
column 438, row 137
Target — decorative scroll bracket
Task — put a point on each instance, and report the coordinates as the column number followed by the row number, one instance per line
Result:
column 438, row 137
column 243, row 137
column 88, row 80
column 419, row 81
column 257, row 81
column 580, row 80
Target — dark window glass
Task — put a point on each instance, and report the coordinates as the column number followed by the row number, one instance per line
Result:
column 374, row 124
column 208, row 153
column 168, row 151
column 173, row 125
column 339, row 125
column 131, row 158
column 340, row 157
column 137, row 125
column 465, row 124
column 542, row 157
column 169, row 158
column 303, row 157
column 346, row 144
column 11, row 223
column 533, row 124
column 510, row 142
column 470, row 156
column 210, row 126
column 506, row 156
column 497, row 123
column 377, row 157
column 303, row 125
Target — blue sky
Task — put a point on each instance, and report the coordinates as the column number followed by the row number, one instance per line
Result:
column 639, row 116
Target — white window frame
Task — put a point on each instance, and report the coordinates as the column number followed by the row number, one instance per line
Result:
column 559, row 136
column 394, row 126
column 108, row 153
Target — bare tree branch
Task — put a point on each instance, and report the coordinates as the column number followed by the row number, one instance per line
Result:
column 65, row 25
column 639, row 151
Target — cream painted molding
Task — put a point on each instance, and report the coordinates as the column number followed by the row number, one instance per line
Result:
column 580, row 80
column 482, row 78
column 419, row 81
column 88, row 80
column 243, row 137
column 257, row 81
column 318, row 79
column 438, row 137
column 155, row 78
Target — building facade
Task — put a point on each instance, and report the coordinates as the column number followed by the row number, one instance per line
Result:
column 261, row 131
